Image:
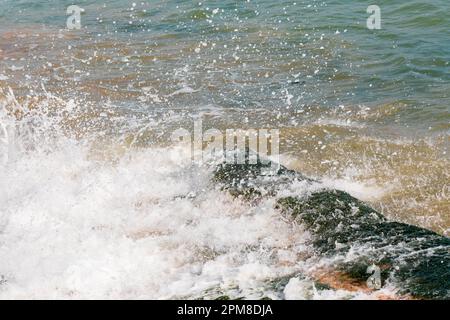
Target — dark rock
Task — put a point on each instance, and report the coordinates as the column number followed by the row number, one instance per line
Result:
column 253, row 180
column 415, row 259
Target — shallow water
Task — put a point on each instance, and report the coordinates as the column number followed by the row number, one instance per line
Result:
column 96, row 202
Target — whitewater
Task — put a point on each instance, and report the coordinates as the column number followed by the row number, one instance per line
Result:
column 80, row 220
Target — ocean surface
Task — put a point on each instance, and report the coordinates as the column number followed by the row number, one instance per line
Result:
column 97, row 202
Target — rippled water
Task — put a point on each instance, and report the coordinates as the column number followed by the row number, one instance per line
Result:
column 91, row 182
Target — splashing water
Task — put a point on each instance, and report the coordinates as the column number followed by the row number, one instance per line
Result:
column 95, row 202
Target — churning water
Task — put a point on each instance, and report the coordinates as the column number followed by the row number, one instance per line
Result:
column 96, row 202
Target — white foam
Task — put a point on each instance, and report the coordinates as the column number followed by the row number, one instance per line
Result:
column 365, row 191
column 149, row 225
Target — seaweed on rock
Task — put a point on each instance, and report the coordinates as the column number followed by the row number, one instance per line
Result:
column 415, row 259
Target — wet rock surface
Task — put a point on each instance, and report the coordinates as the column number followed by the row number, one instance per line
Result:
column 415, row 260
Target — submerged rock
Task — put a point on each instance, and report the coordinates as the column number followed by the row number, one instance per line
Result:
column 416, row 260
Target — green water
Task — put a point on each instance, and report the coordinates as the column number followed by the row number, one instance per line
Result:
column 318, row 52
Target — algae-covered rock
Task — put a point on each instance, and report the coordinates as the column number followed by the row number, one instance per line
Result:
column 357, row 236
column 254, row 180
column 415, row 258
